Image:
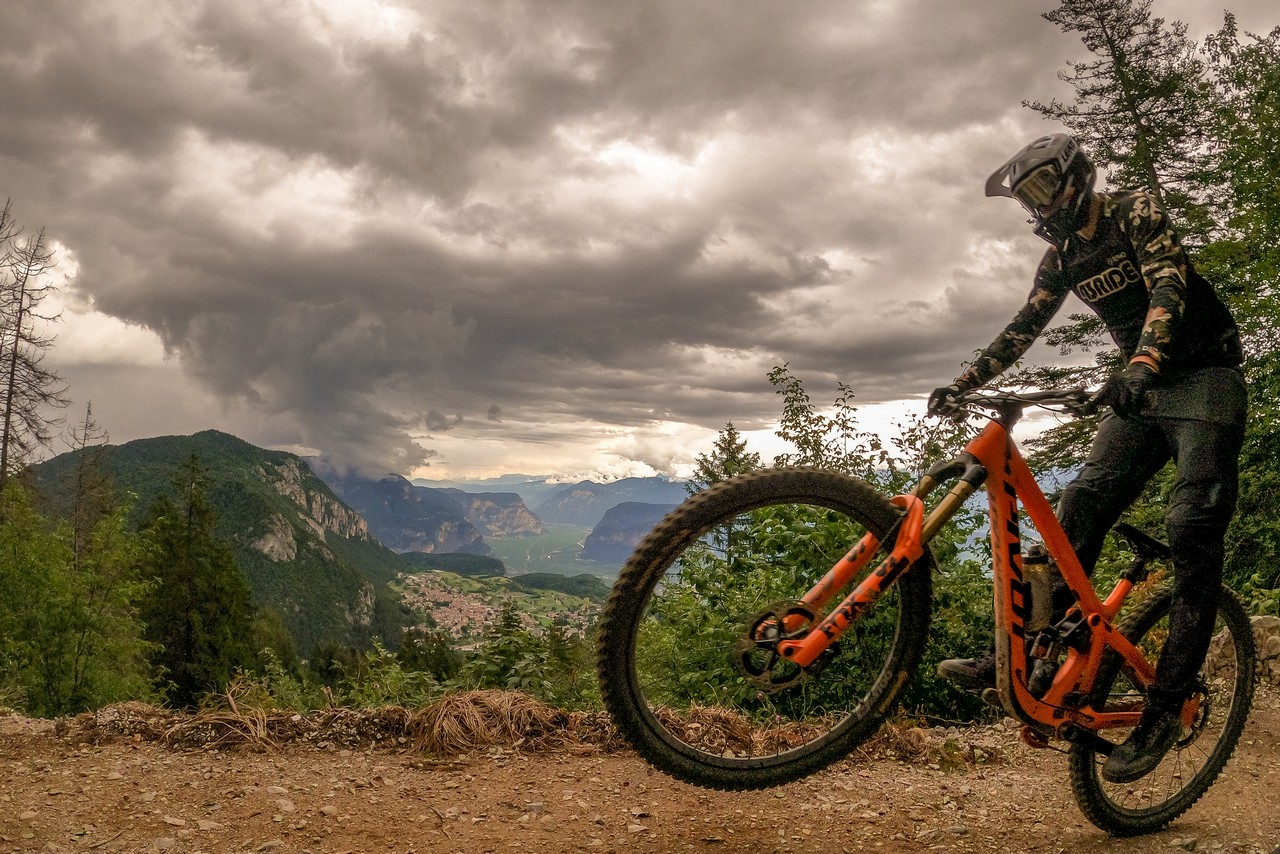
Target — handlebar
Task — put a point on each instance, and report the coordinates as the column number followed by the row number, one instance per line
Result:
column 1010, row 404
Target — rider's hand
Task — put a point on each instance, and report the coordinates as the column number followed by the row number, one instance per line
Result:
column 1123, row 392
column 943, row 400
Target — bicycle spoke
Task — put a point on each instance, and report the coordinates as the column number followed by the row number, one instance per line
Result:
column 1191, row 766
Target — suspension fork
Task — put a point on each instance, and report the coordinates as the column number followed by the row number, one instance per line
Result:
column 909, row 536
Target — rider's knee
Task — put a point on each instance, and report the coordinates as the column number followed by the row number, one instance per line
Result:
column 1204, row 507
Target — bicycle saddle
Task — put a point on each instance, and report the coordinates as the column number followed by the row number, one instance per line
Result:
column 1144, row 545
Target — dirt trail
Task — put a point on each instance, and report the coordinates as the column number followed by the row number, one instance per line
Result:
column 57, row 795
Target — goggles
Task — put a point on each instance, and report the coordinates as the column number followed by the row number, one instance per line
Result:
column 1039, row 189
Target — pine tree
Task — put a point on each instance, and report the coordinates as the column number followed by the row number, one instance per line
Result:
column 1246, row 149
column 91, row 492
column 199, row 612
column 1245, row 264
column 1141, row 103
column 729, row 457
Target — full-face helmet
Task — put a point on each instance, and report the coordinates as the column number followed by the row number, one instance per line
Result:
column 1053, row 179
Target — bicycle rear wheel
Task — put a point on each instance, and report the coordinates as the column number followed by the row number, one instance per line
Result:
column 1189, row 769
column 680, row 664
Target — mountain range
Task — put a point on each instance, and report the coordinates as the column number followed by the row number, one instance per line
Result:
column 583, row 503
column 322, row 549
column 403, row 517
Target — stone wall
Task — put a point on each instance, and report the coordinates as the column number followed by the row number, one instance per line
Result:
column 1266, row 636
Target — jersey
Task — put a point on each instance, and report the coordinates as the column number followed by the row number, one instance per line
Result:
column 1134, row 274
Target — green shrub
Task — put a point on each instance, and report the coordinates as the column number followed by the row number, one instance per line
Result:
column 555, row 666
column 378, row 679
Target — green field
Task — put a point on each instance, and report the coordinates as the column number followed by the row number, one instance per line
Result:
column 557, row 551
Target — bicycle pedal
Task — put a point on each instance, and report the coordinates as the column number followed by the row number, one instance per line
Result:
column 991, row 697
column 1034, row 738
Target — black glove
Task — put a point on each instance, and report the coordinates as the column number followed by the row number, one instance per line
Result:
column 1124, row 391
column 943, row 400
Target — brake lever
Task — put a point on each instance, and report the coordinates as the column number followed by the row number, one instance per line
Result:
column 1090, row 405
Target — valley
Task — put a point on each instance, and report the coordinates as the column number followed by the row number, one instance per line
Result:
column 557, row 550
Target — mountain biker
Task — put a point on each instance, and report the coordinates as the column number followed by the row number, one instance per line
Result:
column 1180, row 396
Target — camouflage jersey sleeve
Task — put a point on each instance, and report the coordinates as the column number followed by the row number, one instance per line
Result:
column 1164, row 268
column 1046, row 297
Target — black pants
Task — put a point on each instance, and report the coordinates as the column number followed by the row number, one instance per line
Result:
column 1126, row 453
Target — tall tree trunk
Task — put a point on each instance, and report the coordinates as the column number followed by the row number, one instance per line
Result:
column 11, row 374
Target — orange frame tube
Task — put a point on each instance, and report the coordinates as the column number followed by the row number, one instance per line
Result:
column 907, row 550
column 1009, row 483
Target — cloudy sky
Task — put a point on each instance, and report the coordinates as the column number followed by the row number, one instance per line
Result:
column 454, row 238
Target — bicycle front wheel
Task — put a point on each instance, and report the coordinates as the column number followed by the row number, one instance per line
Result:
column 682, row 667
column 1225, row 692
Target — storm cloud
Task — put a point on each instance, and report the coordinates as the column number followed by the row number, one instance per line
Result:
column 410, row 233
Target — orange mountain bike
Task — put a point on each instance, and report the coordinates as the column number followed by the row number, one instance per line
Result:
column 768, row 625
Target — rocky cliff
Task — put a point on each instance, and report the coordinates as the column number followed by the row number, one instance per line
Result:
column 497, row 514
column 322, row 511
column 622, row 528
column 404, row 517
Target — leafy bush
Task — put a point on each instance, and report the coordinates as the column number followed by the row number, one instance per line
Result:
column 272, row 685
column 1261, row 596
column 379, row 679
column 963, row 625
column 70, row 638
column 348, row 677
column 554, row 666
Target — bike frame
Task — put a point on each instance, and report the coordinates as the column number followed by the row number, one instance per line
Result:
column 991, row 459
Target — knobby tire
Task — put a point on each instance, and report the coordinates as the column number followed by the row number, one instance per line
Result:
column 1191, row 767
column 753, row 530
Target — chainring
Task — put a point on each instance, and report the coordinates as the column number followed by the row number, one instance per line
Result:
column 756, row 651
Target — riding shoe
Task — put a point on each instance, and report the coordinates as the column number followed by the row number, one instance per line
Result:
column 978, row 674
column 1142, row 751
column 972, row 673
